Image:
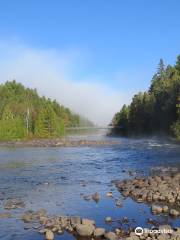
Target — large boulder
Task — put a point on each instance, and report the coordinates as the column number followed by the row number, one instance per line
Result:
column 85, row 230
column 174, row 213
column 86, row 221
column 99, row 232
column 110, row 236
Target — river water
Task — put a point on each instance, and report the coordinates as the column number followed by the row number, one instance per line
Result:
column 52, row 178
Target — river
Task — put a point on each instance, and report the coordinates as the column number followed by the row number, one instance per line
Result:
column 57, row 178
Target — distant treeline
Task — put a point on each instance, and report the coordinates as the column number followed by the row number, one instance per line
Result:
column 157, row 109
column 24, row 114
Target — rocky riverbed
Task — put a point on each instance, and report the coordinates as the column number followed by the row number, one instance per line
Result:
column 86, row 229
column 163, row 189
column 73, row 189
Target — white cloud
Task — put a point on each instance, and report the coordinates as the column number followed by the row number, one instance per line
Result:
column 50, row 72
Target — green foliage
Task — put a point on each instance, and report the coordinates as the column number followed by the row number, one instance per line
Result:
column 24, row 114
column 156, row 109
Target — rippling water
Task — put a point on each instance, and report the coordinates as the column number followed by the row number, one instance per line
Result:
column 51, row 178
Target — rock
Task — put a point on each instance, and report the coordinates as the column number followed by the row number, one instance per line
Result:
column 108, row 219
column 42, row 231
column 12, row 204
column 165, row 227
column 41, row 212
column 28, row 217
column 156, row 209
column 109, row 194
column 86, row 221
column 135, row 238
column 96, row 197
column 165, row 209
column 49, row 235
column 85, row 230
column 74, row 221
column 174, row 213
column 99, row 232
column 125, row 220
column 118, row 203
column 110, row 236
column 87, row 198
column 43, row 220
column 64, row 221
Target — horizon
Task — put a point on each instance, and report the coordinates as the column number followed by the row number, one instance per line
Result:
column 91, row 57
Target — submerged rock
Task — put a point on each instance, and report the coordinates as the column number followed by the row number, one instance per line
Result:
column 108, row 219
column 13, row 204
column 96, row 197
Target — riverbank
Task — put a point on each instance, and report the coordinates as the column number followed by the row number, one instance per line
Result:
column 58, row 142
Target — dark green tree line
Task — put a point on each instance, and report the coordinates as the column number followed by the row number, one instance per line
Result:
column 157, row 109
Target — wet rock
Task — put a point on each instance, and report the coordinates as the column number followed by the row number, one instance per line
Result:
column 85, row 230
column 118, row 203
column 60, row 231
column 13, row 204
column 87, row 198
column 99, row 232
column 125, row 220
column 86, row 221
column 96, row 197
column 49, row 235
column 41, row 212
column 42, row 231
column 174, row 213
column 109, row 194
column 64, row 221
column 108, row 219
column 43, row 220
column 165, row 209
column 110, row 236
column 156, row 209
column 28, row 217
column 74, row 221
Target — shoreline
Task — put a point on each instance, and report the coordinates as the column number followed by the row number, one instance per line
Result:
column 50, row 226
column 58, row 142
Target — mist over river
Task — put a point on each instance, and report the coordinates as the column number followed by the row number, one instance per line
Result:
column 57, row 179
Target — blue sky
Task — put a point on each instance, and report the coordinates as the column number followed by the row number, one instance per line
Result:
column 106, row 44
